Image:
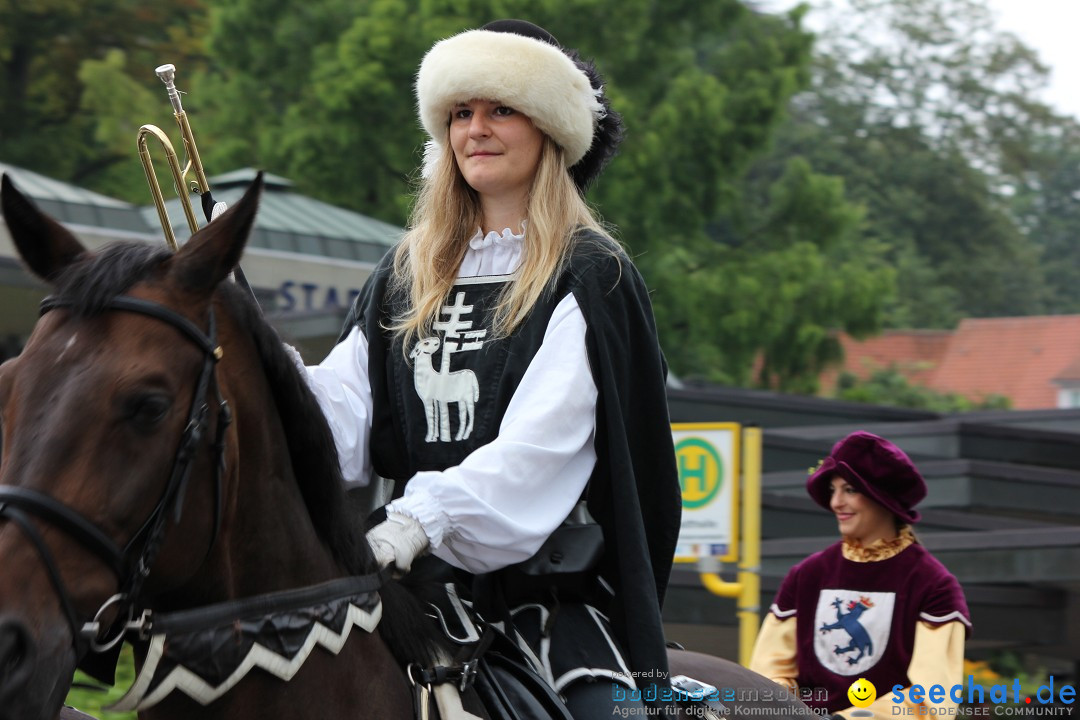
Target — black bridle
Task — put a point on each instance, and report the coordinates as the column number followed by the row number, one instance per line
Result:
column 132, row 563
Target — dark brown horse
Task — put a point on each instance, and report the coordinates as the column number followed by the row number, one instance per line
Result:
column 161, row 450
column 93, row 412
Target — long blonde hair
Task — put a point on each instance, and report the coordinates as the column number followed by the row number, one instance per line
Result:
column 447, row 214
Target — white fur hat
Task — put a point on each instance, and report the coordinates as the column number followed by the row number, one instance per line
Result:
column 523, row 66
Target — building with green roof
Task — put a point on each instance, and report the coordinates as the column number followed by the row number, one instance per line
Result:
column 306, row 259
column 293, row 223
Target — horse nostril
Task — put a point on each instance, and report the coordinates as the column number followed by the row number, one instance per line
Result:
column 16, row 651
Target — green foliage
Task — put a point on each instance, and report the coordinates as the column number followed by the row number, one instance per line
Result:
column 91, row 702
column 929, row 126
column 1047, row 209
column 891, row 387
column 743, row 268
column 788, row 275
column 336, row 117
column 1010, row 665
column 1003, row 669
column 70, row 70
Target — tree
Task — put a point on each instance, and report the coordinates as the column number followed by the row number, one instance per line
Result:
column 792, row 272
column 890, row 387
column 940, row 67
column 929, row 127
column 1046, row 208
column 742, row 270
column 956, row 249
column 69, row 70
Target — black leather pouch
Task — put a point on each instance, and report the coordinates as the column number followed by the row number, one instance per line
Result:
column 566, row 561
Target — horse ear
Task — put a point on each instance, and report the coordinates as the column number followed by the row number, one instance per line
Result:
column 212, row 252
column 44, row 244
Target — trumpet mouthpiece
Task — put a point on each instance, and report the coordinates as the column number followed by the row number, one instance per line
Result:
column 166, row 72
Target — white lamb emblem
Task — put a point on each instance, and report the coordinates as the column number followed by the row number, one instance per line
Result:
column 437, row 390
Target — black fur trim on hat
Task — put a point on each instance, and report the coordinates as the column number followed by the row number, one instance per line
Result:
column 607, row 135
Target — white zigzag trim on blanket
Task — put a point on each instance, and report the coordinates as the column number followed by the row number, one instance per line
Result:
column 775, row 610
column 954, row 615
column 198, row 689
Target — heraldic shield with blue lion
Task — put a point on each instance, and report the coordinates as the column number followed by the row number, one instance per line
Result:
column 851, row 625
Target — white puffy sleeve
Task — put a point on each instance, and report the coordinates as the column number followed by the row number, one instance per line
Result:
column 340, row 383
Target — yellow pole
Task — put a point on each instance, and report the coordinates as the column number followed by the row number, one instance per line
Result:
column 750, row 570
column 747, row 589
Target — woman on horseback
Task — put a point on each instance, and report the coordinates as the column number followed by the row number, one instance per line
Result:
column 875, row 605
column 501, row 365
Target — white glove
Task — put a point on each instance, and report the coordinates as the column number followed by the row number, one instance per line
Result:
column 397, row 541
column 296, row 358
column 298, row 361
column 219, row 208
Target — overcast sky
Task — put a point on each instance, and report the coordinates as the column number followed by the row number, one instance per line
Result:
column 1051, row 27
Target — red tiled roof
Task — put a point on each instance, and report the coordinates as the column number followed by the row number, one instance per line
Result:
column 1070, row 374
column 914, row 353
column 1019, row 358
column 1015, row 357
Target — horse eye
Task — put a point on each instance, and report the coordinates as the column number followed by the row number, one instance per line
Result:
column 146, row 411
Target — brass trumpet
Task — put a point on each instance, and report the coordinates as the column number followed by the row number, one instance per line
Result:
column 198, row 185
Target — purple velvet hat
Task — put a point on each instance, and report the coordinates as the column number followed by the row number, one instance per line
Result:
column 876, row 468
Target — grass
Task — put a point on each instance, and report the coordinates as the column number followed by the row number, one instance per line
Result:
column 92, row 701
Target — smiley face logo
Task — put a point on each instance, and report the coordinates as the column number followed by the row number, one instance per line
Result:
column 861, row 693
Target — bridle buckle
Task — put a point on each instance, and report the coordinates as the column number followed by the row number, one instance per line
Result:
column 92, row 630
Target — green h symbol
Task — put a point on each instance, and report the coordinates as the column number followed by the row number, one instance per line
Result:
column 698, row 473
column 708, row 459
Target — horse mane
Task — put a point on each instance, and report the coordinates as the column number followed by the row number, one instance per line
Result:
column 318, row 472
column 311, row 443
column 89, row 283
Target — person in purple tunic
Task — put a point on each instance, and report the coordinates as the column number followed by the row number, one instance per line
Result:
column 875, row 605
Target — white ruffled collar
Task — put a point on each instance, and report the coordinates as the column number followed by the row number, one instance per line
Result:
column 479, row 241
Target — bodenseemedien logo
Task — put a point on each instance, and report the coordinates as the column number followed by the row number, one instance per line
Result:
column 1050, row 700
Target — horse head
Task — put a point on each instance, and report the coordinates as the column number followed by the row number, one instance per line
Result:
column 125, row 485
column 92, row 412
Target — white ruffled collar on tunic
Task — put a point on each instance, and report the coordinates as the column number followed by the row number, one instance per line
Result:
column 480, row 241
column 493, row 253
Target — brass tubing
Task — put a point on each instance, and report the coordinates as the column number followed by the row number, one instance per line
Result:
column 155, row 187
column 200, row 184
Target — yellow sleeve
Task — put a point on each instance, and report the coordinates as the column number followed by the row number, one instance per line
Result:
column 936, row 659
column 774, row 651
